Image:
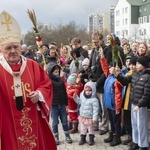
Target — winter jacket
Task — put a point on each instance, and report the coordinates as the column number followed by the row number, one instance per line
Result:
column 112, row 89
column 89, row 107
column 59, row 90
column 72, row 68
column 140, row 87
column 71, row 89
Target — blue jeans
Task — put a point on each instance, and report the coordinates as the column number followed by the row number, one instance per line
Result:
column 59, row 111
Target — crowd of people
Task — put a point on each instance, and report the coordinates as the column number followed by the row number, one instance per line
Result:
column 104, row 87
column 118, row 96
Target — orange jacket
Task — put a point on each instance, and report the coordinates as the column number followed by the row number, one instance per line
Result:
column 117, row 85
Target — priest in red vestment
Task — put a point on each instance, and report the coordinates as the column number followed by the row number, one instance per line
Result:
column 25, row 95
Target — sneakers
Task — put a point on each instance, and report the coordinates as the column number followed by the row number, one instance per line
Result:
column 56, row 138
column 68, row 138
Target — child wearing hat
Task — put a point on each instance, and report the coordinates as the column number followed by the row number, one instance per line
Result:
column 59, row 102
column 85, row 71
column 139, row 97
column 73, row 85
column 89, row 110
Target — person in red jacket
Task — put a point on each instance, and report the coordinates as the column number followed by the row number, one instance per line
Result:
column 73, row 85
column 112, row 101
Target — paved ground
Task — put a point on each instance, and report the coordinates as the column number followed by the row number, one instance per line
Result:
column 99, row 144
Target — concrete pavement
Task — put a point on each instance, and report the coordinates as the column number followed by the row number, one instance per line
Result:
column 99, row 144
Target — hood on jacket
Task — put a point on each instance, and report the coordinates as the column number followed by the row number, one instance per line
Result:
column 93, row 87
column 50, row 68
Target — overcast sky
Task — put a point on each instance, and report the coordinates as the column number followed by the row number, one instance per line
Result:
column 54, row 11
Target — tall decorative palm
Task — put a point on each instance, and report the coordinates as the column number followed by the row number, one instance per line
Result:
column 38, row 38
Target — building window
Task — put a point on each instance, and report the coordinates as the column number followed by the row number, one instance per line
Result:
column 140, row 10
column 123, row 22
column 145, row 8
column 117, row 13
column 126, row 10
column 144, row 19
column 117, row 23
column 142, row 32
column 140, row 20
column 122, row 10
column 126, row 32
column 126, row 21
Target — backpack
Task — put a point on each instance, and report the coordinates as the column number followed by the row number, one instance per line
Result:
column 109, row 101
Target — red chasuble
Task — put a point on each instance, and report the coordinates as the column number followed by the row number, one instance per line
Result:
column 26, row 129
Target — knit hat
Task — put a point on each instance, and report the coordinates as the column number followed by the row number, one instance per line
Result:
column 72, row 79
column 45, row 44
column 128, row 57
column 133, row 60
column 143, row 60
column 88, row 88
column 85, row 62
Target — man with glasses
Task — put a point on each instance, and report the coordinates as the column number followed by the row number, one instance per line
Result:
column 97, row 76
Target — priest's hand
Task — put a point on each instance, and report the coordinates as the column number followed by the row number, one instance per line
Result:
column 34, row 96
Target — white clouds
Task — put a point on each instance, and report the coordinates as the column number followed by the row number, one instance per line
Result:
column 53, row 11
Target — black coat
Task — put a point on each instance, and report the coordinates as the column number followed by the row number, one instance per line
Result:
column 95, row 69
column 140, row 87
column 59, row 89
column 59, row 92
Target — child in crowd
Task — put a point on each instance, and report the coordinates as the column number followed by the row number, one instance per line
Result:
column 89, row 110
column 73, row 85
column 84, row 72
column 112, row 101
column 127, row 62
column 126, row 104
column 59, row 102
column 76, row 63
column 139, row 97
